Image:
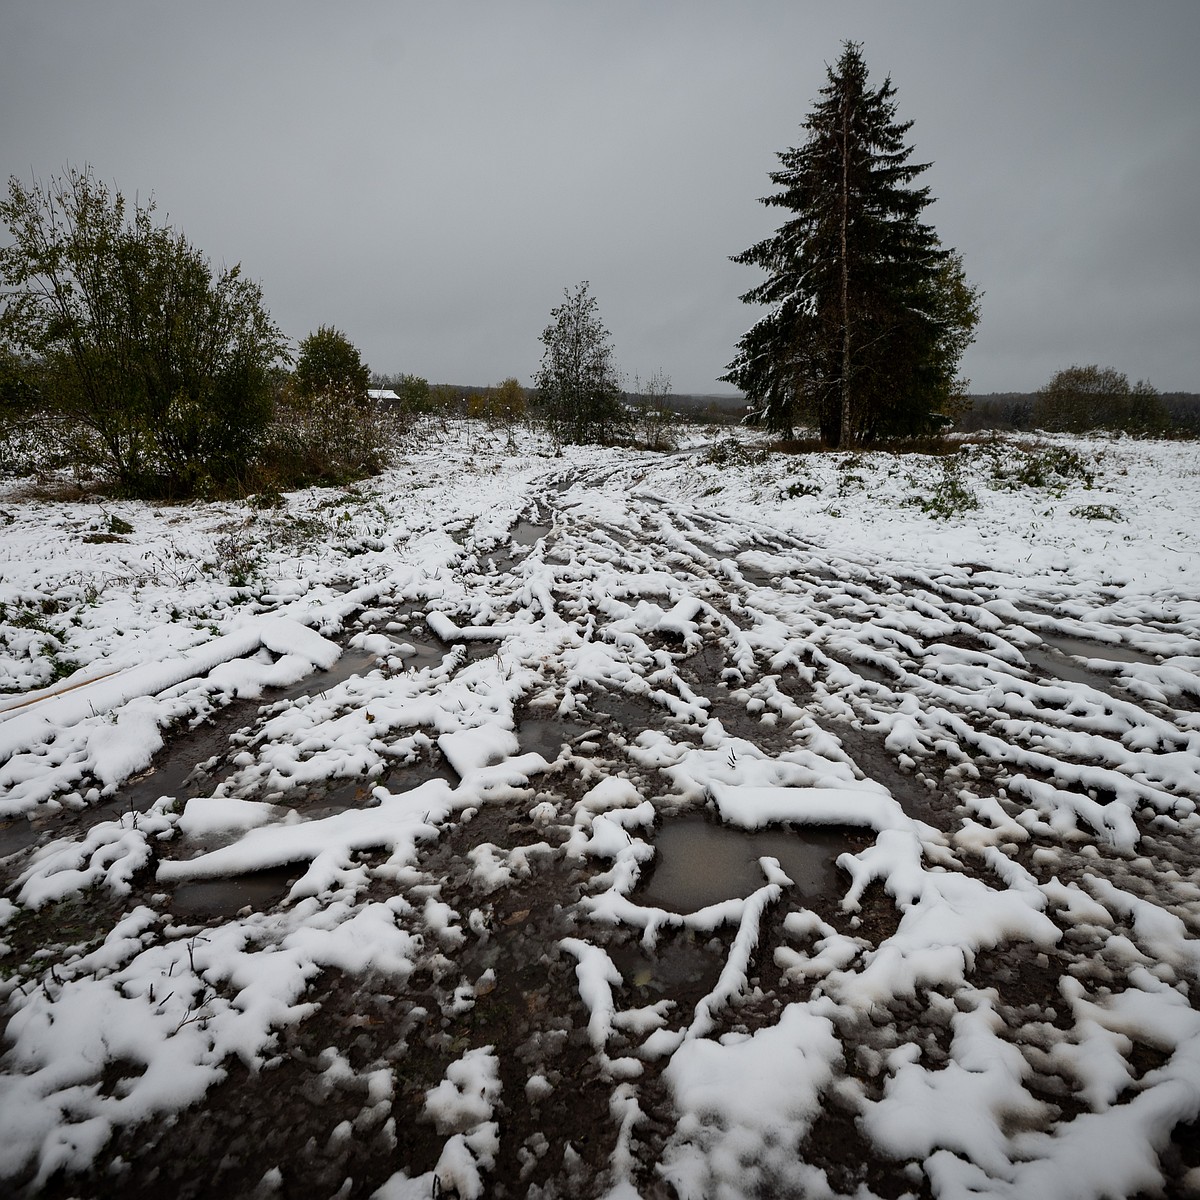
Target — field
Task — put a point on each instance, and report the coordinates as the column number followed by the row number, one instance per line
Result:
column 599, row 823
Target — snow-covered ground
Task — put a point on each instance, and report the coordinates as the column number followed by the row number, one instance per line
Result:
column 705, row 824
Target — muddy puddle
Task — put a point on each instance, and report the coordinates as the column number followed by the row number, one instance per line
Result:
column 1052, row 666
column 523, row 535
column 424, row 654
column 222, row 899
column 698, row 862
column 674, row 963
column 527, row 533
column 547, row 735
column 1107, row 651
column 16, row 835
column 352, row 662
column 358, row 793
column 870, row 671
column 633, row 714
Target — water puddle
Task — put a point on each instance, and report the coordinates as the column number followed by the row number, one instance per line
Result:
column 425, row 654
column 547, row 735
column 344, row 795
column 698, row 862
column 16, row 835
column 673, row 963
column 757, row 576
column 352, row 662
column 633, row 714
column 1050, row 665
column 526, row 533
column 870, row 671
column 209, row 899
column 1083, row 648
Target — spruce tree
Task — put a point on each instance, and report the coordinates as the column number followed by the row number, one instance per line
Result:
column 868, row 313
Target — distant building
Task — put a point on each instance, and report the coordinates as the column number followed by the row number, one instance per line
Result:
column 383, row 396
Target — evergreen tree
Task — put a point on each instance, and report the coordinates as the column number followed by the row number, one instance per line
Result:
column 577, row 385
column 868, row 313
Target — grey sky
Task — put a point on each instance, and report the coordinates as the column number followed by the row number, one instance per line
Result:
column 429, row 177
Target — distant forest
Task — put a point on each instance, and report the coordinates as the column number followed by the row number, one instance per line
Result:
column 993, row 410
column 1014, row 411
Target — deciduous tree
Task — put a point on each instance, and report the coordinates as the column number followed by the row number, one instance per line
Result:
column 329, row 364
column 577, row 385
column 167, row 366
column 1095, row 397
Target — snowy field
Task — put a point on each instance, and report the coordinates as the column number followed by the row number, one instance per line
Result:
column 698, row 825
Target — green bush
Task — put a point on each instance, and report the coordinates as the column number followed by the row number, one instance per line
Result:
column 949, row 496
column 157, row 369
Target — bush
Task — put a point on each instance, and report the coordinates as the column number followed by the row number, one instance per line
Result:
column 1049, row 466
column 949, row 496
column 322, row 439
column 329, row 364
column 1081, row 398
column 731, row 451
column 160, row 371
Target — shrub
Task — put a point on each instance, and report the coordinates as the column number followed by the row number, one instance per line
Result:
column 160, row 369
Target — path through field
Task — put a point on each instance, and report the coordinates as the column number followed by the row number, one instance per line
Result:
column 634, row 844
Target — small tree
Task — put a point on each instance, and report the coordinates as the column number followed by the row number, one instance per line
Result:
column 504, row 403
column 1094, row 397
column 413, row 390
column 577, row 386
column 164, row 366
column 655, row 421
column 507, row 401
column 327, row 429
column 329, row 364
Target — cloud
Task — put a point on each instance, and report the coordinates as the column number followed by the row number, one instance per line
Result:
column 429, row 178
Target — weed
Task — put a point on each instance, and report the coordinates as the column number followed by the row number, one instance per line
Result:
column 1097, row 512
column 1050, row 467
column 800, row 487
column 949, row 496
column 239, row 558
column 730, row 451
column 270, row 498
column 116, row 525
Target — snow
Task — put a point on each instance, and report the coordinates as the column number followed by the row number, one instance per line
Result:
column 995, row 711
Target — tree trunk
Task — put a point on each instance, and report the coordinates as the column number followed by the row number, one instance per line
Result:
column 846, row 435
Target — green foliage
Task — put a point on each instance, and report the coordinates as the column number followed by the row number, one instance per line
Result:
column 326, row 430
column 1048, row 466
column 160, row 369
column 329, row 364
column 414, row 393
column 732, row 451
column 28, row 632
column 321, row 439
column 504, row 403
column 19, row 391
column 867, row 314
column 950, row 496
column 577, row 385
column 800, row 487
column 1094, row 397
column 1097, row 512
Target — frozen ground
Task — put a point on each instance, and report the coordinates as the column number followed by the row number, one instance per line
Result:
column 609, row 824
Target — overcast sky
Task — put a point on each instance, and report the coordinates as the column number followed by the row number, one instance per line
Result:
column 429, row 177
